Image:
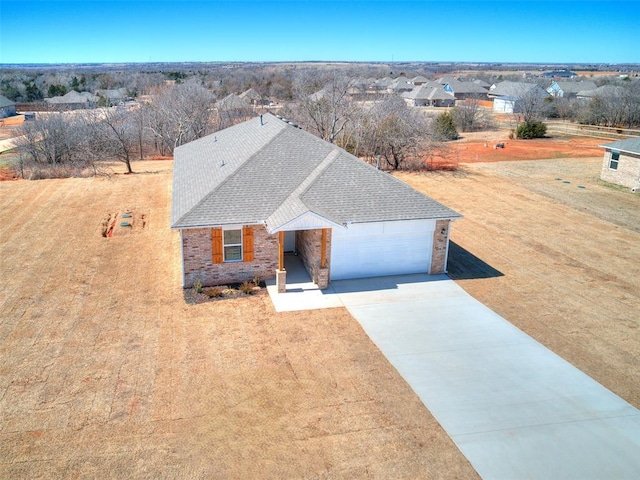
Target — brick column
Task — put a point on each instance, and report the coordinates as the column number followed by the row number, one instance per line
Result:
column 439, row 251
column 281, row 280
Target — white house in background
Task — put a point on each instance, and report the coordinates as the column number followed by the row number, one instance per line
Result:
column 621, row 163
column 569, row 89
column 508, row 96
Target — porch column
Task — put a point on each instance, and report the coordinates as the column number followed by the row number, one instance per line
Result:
column 281, row 274
column 323, row 271
column 323, row 249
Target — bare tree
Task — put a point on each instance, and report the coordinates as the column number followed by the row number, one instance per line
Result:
column 53, row 145
column 470, row 116
column 529, row 103
column 393, row 132
column 179, row 114
column 322, row 104
column 113, row 135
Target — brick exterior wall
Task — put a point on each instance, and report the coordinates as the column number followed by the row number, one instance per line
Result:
column 628, row 172
column 308, row 246
column 439, row 251
column 198, row 262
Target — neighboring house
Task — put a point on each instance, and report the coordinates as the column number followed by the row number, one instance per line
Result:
column 482, row 83
column 245, row 195
column 463, row 90
column 508, row 96
column 233, row 102
column 7, row 107
column 253, row 97
column 560, row 74
column 399, row 85
column 381, row 84
column 569, row 89
column 429, row 95
column 319, row 95
column 73, row 101
column 605, row 91
column 419, row 80
column 621, row 163
column 113, row 97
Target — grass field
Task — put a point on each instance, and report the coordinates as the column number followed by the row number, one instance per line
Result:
column 106, row 371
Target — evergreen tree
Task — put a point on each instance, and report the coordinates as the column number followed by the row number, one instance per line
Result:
column 443, row 128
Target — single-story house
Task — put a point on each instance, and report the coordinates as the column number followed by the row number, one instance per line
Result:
column 254, row 97
column 399, row 85
column 569, row 89
column 246, row 195
column 73, row 100
column 419, row 80
column 463, row 90
column 621, row 163
column 559, row 74
column 7, row 107
column 381, row 84
column 605, row 91
column 508, row 96
column 112, row 97
column 429, row 95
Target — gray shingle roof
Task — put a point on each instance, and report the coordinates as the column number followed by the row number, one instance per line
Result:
column 630, row 145
column 73, row 97
column 428, row 92
column 573, row 87
column 273, row 173
column 5, row 102
column 515, row 89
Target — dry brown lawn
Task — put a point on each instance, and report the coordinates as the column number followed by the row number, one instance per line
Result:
column 558, row 261
column 106, row 371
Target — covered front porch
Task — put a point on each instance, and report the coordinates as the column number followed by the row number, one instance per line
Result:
column 303, row 256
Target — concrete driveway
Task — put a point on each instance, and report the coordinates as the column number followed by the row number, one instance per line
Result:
column 515, row 409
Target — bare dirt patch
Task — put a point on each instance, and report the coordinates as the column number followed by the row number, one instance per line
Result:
column 557, row 261
column 480, row 147
column 106, row 371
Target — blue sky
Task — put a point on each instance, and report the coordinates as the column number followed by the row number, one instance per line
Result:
column 38, row 31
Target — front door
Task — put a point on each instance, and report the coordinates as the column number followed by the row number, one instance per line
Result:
column 290, row 241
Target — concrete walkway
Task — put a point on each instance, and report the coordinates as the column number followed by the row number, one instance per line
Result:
column 515, row 409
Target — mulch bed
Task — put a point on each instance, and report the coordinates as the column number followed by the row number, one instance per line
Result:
column 221, row 292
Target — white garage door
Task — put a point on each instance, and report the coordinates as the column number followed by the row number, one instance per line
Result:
column 385, row 248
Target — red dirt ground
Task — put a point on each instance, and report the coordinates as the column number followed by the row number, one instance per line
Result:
column 6, row 174
column 480, row 147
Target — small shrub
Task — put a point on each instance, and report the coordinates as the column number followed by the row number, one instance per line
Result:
column 213, row 292
column 197, row 287
column 246, row 287
column 531, row 130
